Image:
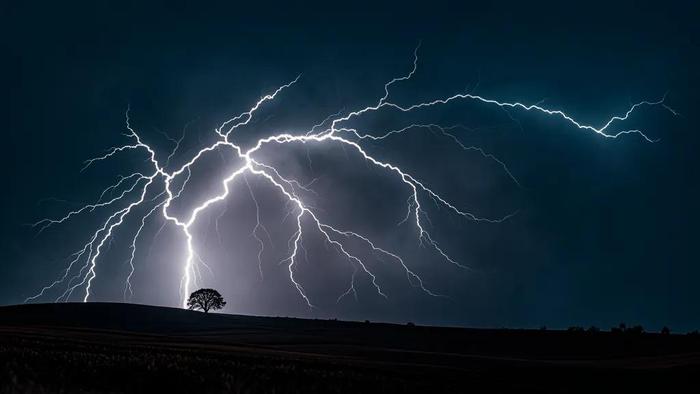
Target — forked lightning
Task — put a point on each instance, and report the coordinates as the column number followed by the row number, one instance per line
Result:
column 166, row 186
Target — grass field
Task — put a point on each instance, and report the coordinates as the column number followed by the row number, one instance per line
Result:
column 115, row 348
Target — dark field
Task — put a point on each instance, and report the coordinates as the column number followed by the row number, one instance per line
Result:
column 114, row 348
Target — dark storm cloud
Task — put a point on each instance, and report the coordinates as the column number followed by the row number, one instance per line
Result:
column 605, row 228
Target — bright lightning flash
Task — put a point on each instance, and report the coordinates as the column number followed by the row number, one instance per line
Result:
column 164, row 184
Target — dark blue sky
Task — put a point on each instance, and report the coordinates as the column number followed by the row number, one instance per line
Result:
column 606, row 229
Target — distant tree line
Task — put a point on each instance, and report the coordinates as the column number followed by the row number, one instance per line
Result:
column 622, row 328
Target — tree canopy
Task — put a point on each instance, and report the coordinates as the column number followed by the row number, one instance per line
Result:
column 205, row 299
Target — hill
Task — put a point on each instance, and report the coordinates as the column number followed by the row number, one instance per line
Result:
column 109, row 347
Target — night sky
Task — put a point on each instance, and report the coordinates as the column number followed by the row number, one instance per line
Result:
column 605, row 230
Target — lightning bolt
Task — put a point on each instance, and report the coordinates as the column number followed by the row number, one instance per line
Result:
column 159, row 188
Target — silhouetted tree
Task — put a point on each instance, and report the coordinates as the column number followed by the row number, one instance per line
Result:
column 593, row 329
column 665, row 331
column 205, row 299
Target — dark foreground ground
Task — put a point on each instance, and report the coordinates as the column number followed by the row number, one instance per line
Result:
column 115, row 348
